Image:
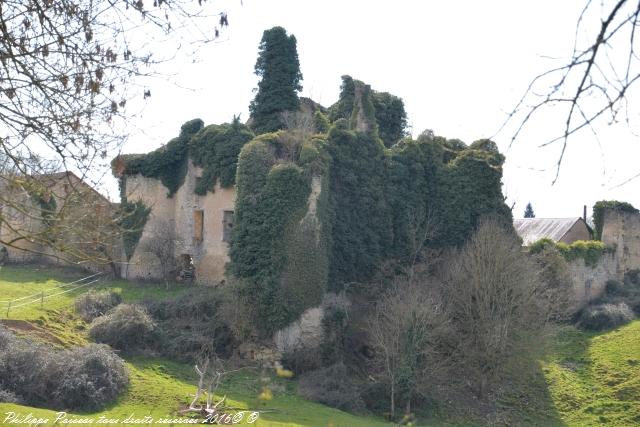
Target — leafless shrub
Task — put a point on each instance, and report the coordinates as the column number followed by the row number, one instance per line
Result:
column 93, row 304
column 332, row 386
column 127, row 327
column 605, row 316
column 554, row 273
column 406, row 330
column 84, row 378
column 162, row 244
column 497, row 306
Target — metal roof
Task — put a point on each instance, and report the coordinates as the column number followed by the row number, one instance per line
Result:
column 533, row 229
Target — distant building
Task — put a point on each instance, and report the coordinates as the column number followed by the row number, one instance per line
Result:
column 565, row 230
column 69, row 222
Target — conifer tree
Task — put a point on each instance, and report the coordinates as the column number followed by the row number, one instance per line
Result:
column 279, row 70
column 528, row 211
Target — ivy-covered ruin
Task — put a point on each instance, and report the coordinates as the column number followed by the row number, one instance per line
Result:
column 321, row 206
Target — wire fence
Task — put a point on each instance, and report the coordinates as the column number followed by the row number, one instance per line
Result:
column 39, row 297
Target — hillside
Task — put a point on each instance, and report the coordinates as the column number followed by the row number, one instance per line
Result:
column 158, row 386
column 589, row 379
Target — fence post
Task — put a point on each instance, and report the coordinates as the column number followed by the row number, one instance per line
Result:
column 41, row 299
column 8, row 308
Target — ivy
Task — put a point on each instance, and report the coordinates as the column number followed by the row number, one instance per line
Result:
column 382, row 109
column 344, row 107
column 385, row 199
column 598, row 213
column 132, row 219
column 539, row 245
column 361, row 224
column 168, row 163
column 216, row 148
column 48, row 207
column 320, row 122
column 271, row 201
column 591, row 251
column 390, row 116
column 374, row 206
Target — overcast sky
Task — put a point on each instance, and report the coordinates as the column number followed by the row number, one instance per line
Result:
column 459, row 66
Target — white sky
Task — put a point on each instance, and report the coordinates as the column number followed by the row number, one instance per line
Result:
column 459, row 66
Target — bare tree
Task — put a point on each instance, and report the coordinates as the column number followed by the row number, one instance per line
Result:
column 595, row 83
column 210, row 370
column 162, row 244
column 56, row 215
column 497, row 305
column 406, row 330
column 68, row 70
column 299, row 128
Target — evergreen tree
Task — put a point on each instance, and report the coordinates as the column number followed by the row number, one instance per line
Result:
column 279, row 70
column 528, row 211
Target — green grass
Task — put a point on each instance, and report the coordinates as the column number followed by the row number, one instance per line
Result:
column 588, row 379
column 158, row 387
column 594, row 379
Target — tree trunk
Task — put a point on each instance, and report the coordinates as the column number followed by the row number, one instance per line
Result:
column 393, row 401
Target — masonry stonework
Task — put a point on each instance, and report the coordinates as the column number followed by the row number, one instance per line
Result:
column 210, row 253
column 622, row 231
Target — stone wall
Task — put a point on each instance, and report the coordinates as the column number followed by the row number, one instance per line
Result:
column 589, row 282
column 210, row 254
column 622, row 230
column 83, row 228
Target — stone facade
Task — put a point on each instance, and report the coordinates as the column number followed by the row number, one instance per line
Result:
column 588, row 282
column 81, row 230
column 622, row 230
column 198, row 223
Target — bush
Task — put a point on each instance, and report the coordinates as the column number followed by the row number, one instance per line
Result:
column 589, row 250
column 127, row 327
column 332, row 386
column 614, row 288
column 24, row 368
column 554, row 272
column 632, row 277
column 539, row 245
column 9, row 397
column 604, row 316
column 86, row 378
column 191, row 323
column 302, row 360
column 627, row 292
column 96, row 303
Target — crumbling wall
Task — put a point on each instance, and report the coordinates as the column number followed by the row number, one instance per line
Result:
column 589, row 282
column 153, row 194
column 621, row 229
column 210, row 254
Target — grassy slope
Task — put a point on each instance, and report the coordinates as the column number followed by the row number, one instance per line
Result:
column 158, row 386
column 594, row 379
column 589, row 379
